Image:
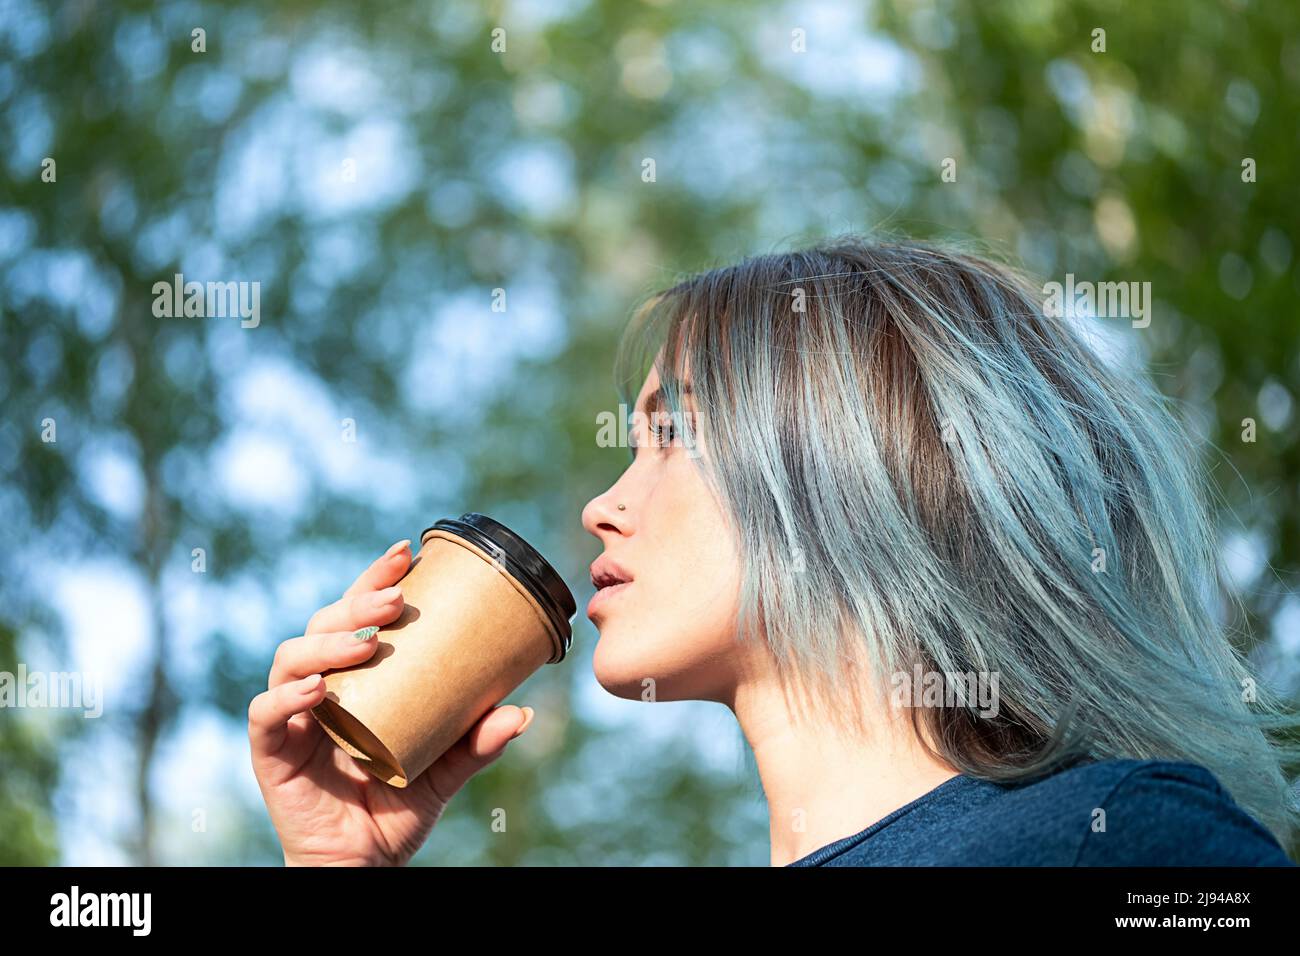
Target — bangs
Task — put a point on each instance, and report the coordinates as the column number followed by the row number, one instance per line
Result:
column 660, row 336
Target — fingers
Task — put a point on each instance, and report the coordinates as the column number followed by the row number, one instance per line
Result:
column 357, row 611
column 270, row 711
column 480, row 746
column 386, row 570
column 301, row 657
column 373, row 598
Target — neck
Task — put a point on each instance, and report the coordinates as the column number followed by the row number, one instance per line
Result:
column 823, row 782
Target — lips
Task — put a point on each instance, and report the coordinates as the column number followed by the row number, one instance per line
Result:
column 609, row 578
column 607, row 573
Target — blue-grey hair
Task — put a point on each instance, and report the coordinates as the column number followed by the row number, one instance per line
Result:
column 923, row 469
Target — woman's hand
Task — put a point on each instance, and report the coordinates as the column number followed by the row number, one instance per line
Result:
column 325, row 807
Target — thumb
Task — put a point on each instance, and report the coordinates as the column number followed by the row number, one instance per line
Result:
column 528, row 719
column 481, row 745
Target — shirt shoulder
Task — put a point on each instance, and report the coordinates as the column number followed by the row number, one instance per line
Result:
column 1175, row 813
column 1117, row 812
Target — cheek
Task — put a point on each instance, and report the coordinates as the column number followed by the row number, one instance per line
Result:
column 677, row 622
column 696, row 576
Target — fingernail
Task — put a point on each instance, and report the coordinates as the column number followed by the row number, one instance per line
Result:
column 405, row 542
column 528, row 719
column 366, row 633
column 388, row 595
column 309, row 684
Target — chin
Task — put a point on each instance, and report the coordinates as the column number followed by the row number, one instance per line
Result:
column 617, row 667
column 623, row 661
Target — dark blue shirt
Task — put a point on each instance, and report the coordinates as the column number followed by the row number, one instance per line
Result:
column 1097, row 813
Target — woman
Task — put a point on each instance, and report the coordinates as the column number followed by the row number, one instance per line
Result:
column 947, row 567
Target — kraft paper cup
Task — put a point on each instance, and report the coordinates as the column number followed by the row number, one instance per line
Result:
column 484, row 610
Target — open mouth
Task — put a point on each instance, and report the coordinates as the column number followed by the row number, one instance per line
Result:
column 609, row 579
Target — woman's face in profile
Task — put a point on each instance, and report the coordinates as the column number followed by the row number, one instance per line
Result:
column 668, row 634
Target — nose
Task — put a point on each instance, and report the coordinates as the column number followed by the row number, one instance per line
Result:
column 601, row 516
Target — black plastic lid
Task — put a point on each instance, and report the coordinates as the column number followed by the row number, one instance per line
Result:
column 523, row 562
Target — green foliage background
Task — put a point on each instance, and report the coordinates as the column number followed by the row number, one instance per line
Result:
column 523, row 170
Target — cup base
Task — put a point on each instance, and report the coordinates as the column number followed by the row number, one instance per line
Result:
column 359, row 743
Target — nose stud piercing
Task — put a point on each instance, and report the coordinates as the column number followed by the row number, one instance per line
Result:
column 622, row 507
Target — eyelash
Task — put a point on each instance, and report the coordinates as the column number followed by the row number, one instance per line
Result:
column 660, row 429
column 658, row 432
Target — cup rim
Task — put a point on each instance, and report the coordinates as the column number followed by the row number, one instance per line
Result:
column 522, row 561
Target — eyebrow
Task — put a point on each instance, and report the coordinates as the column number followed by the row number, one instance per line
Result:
column 655, row 400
